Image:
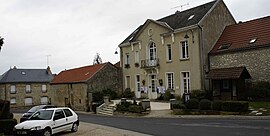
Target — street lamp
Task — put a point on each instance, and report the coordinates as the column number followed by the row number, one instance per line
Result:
column 1, row 42
column 116, row 50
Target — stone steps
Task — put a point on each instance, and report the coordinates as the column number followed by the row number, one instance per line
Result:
column 106, row 109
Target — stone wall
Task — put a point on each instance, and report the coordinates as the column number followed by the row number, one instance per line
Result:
column 20, row 95
column 256, row 61
column 106, row 78
column 73, row 94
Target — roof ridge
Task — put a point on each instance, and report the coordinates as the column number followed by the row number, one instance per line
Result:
column 249, row 21
column 178, row 12
column 84, row 67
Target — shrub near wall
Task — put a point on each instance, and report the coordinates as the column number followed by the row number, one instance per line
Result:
column 192, row 104
column 205, row 104
column 234, row 106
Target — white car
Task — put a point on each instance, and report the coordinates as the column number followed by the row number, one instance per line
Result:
column 49, row 121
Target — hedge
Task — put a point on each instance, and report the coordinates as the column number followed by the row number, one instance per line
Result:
column 192, row 103
column 135, row 108
column 7, row 125
column 205, row 104
column 216, row 105
column 234, row 106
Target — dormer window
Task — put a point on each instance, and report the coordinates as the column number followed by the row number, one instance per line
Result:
column 252, row 41
column 224, row 46
column 190, row 17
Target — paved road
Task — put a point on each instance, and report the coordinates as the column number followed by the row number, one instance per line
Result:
column 184, row 126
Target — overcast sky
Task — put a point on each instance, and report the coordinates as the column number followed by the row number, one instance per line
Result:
column 70, row 32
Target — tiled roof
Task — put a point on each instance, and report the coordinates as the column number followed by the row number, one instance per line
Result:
column 179, row 19
column 26, row 76
column 117, row 64
column 77, row 75
column 228, row 73
column 239, row 36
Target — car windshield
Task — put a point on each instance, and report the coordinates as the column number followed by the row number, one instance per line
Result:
column 34, row 109
column 42, row 115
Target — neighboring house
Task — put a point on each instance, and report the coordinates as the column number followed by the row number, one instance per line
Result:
column 246, row 44
column 26, row 87
column 74, row 87
column 171, row 52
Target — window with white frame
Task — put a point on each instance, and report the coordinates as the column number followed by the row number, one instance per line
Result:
column 186, row 82
column 152, row 51
column 44, row 100
column 44, row 88
column 28, row 89
column 137, row 58
column 12, row 89
column 170, row 81
column 127, row 59
column 138, row 84
column 12, row 100
column 184, row 50
column 28, row 101
column 169, row 52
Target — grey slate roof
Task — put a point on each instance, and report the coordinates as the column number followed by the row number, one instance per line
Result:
column 180, row 19
column 26, row 76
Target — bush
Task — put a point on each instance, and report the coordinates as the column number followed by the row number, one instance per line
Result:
column 197, row 94
column 7, row 125
column 97, row 96
column 110, row 93
column 123, row 106
column 192, row 103
column 205, row 104
column 5, row 109
column 235, row 106
column 179, row 106
column 216, row 105
column 167, row 95
column 95, row 105
column 260, row 91
column 135, row 108
column 128, row 94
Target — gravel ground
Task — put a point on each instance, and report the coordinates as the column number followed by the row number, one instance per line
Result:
column 88, row 129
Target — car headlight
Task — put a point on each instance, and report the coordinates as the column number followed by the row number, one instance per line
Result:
column 36, row 128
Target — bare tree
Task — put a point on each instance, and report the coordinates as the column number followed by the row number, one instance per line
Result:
column 97, row 59
column 1, row 42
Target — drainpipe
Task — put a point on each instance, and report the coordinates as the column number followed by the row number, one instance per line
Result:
column 202, row 58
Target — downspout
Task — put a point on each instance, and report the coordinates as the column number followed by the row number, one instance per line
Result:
column 202, row 58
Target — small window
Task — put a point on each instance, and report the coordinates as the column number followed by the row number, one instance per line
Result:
column 13, row 101
column 44, row 100
column 190, row 17
column 170, row 81
column 23, row 73
column 169, row 53
column 59, row 114
column 224, row 46
column 28, row 101
column 12, row 89
column 226, row 84
column 28, row 89
column 184, row 50
column 252, row 41
column 68, row 112
column 44, row 88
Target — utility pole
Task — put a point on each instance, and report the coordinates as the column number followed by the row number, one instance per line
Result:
column 48, row 59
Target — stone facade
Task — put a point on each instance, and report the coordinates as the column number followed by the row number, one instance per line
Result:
column 79, row 95
column 255, row 60
column 20, row 94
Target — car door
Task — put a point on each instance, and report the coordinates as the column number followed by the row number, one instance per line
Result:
column 70, row 118
column 59, row 121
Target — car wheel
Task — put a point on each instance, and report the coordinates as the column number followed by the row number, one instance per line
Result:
column 47, row 132
column 74, row 127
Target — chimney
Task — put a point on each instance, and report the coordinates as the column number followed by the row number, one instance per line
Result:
column 49, row 70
